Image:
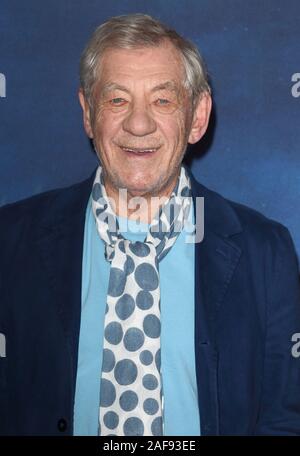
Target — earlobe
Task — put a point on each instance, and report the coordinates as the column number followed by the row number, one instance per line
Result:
column 201, row 118
column 86, row 114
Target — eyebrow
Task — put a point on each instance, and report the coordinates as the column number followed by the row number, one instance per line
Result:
column 113, row 86
column 168, row 85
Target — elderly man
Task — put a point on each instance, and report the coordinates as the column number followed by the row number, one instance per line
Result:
column 118, row 318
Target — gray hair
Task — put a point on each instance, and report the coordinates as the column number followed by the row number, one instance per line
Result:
column 140, row 30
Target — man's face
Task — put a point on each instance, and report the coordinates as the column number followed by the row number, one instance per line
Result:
column 141, row 119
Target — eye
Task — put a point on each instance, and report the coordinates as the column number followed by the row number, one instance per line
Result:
column 165, row 105
column 117, row 101
column 162, row 101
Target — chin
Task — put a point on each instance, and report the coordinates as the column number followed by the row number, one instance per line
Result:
column 140, row 185
column 140, row 190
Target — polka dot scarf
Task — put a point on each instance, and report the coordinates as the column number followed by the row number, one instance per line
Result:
column 131, row 394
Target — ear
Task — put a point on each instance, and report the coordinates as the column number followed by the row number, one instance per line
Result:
column 86, row 114
column 200, row 118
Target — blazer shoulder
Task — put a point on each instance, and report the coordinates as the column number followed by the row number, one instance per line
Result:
column 232, row 218
column 252, row 219
column 21, row 217
column 13, row 212
column 34, row 207
column 264, row 232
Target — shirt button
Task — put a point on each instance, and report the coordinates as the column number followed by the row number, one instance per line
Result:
column 62, row 425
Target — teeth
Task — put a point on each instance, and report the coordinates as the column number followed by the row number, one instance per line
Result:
column 138, row 151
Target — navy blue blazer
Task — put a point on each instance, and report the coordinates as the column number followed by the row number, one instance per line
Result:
column 247, row 307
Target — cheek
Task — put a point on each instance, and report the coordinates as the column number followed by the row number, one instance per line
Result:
column 106, row 126
column 174, row 131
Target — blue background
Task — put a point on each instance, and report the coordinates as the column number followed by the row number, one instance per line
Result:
column 252, row 49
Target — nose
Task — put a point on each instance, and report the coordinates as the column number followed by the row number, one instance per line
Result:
column 139, row 121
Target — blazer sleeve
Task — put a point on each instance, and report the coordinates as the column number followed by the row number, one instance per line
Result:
column 280, row 401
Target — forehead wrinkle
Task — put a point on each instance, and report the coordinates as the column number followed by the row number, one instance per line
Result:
column 113, row 86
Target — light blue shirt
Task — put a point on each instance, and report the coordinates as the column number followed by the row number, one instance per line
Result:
column 181, row 412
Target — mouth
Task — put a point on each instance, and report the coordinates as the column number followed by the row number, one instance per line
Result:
column 139, row 152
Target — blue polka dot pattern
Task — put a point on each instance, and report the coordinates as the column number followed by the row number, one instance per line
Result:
column 133, row 426
column 108, row 360
column 158, row 360
column 113, row 333
column 128, row 400
column 100, row 211
column 150, row 382
column 146, row 277
column 150, row 406
column 111, row 420
column 129, row 265
column 156, row 426
column 117, row 280
column 133, row 339
column 139, row 249
column 96, row 193
column 146, row 357
column 144, row 300
column 122, row 246
column 151, row 326
column 185, row 191
column 131, row 387
column 125, row 306
column 125, row 372
column 107, row 393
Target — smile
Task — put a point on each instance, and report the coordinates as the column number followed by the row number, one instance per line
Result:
column 139, row 151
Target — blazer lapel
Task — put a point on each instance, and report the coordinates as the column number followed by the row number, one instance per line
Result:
column 60, row 242
column 216, row 258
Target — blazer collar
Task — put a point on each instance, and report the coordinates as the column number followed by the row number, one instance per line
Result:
column 220, row 217
column 60, row 243
column 216, row 259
